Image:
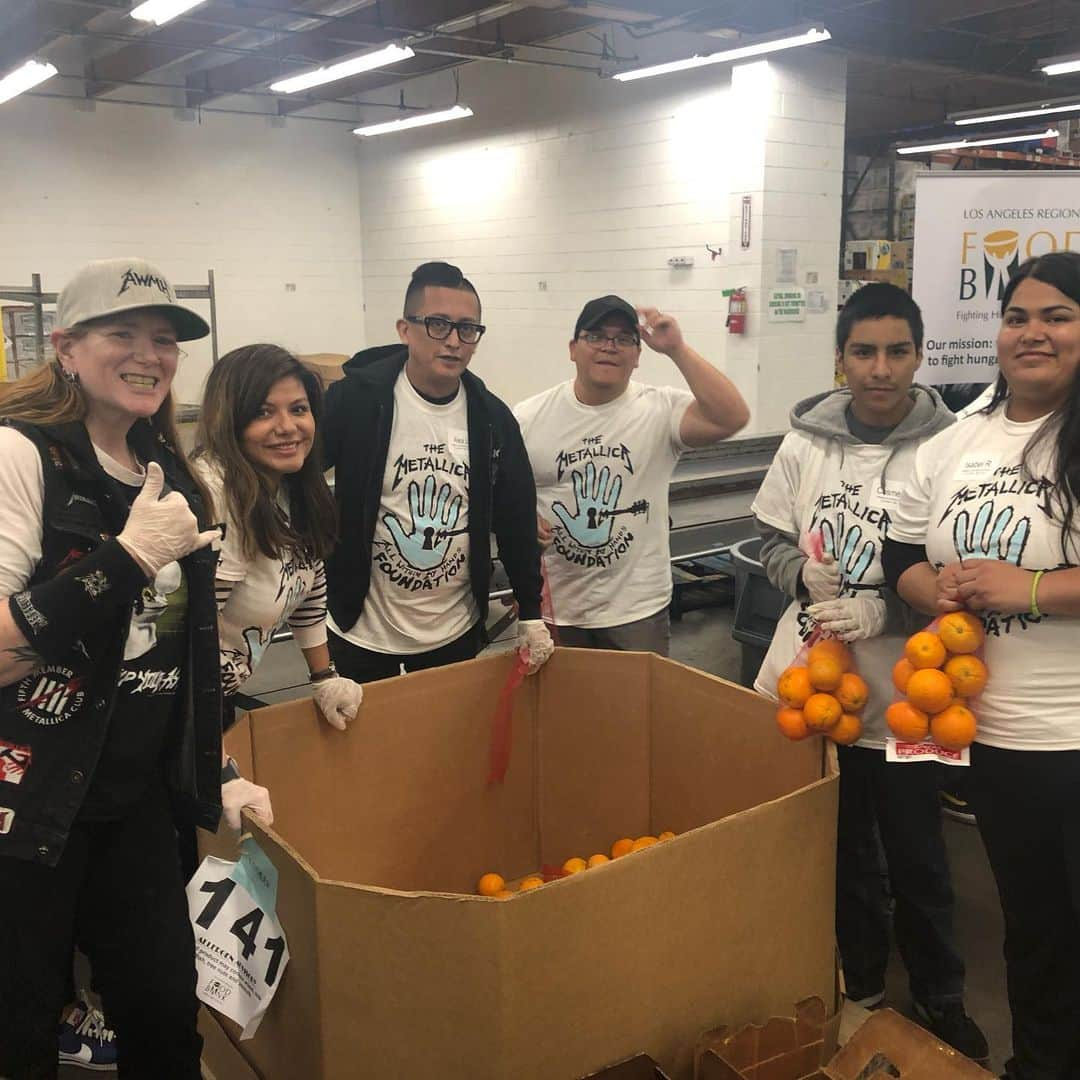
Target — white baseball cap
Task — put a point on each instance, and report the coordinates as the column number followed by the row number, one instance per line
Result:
column 110, row 286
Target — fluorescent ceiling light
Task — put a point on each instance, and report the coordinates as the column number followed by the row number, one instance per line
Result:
column 161, row 11
column 419, row 120
column 811, row 36
column 1060, row 65
column 477, row 18
column 24, row 78
column 1021, row 111
column 392, row 54
column 1000, row 140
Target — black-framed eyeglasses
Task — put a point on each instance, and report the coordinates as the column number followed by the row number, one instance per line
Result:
column 621, row 341
column 469, row 333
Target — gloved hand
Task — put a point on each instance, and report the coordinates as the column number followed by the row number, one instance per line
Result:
column 535, row 644
column 851, row 618
column 161, row 530
column 241, row 794
column 822, row 579
column 338, row 699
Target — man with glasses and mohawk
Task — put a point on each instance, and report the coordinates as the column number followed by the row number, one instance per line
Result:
column 603, row 449
column 429, row 463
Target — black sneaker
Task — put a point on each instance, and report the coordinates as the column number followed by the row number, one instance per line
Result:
column 952, row 1025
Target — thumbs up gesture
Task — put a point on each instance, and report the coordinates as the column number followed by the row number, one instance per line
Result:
column 161, row 530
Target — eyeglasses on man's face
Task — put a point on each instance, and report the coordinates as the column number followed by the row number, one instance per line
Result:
column 469, row 333
column 620, row 341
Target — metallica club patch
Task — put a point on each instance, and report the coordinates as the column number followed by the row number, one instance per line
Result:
column 50, row 695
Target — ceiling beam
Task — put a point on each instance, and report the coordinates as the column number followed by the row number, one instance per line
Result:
column 37, row 26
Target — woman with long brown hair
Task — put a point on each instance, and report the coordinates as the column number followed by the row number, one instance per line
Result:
column 989, row 522
column 257, row 452
column 110, row 696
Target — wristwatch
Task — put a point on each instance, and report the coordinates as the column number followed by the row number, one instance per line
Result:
column 230, row 771
column 328, row 672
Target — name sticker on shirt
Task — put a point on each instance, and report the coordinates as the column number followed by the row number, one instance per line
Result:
column 890, row 496
column 975, row 466
column 459, row 442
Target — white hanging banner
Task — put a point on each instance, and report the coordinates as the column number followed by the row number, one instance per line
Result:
column 972, row 231
column 240, row 950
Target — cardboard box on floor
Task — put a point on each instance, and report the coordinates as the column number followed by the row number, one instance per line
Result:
column 798, row 1048
column 381, row 832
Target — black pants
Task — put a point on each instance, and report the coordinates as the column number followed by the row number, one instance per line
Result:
column 899, row 804
column 363, row 665
column 1027, row 805
column 117, row 891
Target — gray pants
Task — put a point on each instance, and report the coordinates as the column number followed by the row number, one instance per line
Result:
column 651, row 634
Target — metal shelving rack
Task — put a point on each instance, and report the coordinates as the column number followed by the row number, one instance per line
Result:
column 38, row 299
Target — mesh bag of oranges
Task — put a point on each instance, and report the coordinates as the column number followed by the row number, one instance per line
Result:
column 821, row 693
column 938, row 681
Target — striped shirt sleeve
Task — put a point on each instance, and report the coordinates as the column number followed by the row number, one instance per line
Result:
column 308, row 620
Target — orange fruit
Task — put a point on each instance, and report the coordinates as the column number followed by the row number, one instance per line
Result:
column 906, row 722
column 925, row 650
column 967, row 674
column 852, row 692
column 954, row 728
column 825, row 672
column 490, row 884
column 929, row 690
column 667, row 834
column 597, row 860
column 621, row 847
column 901, row 672
column 848, row 729
column 503, row 894
column 961, row 632
column 531, row 882
column 643, row 842
column 793, row 687
column 574, row 866
column 821, row 712
column 792, row 723
column 836, row 649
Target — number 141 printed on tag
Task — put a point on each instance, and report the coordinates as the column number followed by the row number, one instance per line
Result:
column 240, row 951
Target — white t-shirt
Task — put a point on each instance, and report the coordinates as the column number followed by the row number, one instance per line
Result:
column 819, row 483
column 967, row 496
column 602, row 477
column 420, row 596
column 256, row 597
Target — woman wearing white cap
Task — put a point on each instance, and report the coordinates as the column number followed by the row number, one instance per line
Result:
column 110, row 695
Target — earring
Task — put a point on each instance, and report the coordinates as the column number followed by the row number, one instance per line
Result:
column 70, row 376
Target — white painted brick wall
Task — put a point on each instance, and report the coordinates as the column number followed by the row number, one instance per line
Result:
column 589, row 186
column 260, row 205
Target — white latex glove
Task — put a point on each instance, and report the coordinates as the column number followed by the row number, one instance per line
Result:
column 822, row 579
column 534, row 643
column 851, row 618
column 161, row 530
column 338, row 699
column 241, row 794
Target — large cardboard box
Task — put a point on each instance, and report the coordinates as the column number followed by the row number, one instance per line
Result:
column 382, row 831
column 328, row 366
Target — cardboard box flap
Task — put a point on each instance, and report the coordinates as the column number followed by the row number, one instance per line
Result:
column 639, row 1067
column 889, row 1045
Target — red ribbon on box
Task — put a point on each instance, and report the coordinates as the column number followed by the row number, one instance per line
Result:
column 501, row 732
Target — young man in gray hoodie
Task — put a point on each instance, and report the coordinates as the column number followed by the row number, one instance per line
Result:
column 838, row 474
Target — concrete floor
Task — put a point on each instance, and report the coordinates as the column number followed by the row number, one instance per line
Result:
column 702, row 638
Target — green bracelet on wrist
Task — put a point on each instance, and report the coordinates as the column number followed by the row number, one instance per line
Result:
column 1034, row 611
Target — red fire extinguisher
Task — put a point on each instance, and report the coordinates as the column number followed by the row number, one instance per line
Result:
column 736, row 311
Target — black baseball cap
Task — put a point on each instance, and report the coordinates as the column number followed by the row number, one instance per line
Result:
column 596, row 311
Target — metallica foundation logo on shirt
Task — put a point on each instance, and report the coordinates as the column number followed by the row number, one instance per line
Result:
column 590, row 534
column 420, row 553
column 50, row 695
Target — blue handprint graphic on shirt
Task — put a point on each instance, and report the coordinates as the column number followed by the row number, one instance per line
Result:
column 985, row 539
column 434, row 516
column 854, row 560
column 596, row 499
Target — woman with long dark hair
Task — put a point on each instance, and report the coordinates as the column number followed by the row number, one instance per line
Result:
column 110, row 695
column 257, row 452
column 989, row 523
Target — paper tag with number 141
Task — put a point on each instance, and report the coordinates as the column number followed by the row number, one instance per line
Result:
column 240, row 951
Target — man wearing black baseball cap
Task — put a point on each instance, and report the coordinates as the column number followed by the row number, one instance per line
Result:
column 603, row 448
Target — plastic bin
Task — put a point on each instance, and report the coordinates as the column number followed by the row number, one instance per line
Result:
column 758, row 607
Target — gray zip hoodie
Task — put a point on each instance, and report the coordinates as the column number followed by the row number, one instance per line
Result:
column 826, row 416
